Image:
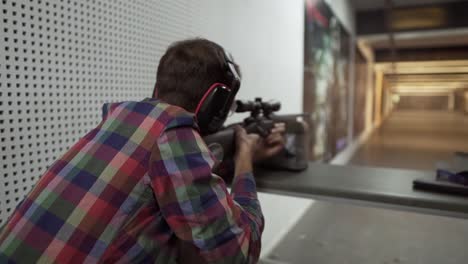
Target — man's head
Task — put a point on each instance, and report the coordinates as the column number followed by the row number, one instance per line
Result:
column 188, row 69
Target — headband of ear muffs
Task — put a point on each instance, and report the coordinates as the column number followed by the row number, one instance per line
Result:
column 213, row 109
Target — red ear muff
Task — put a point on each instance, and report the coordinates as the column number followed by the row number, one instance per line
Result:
column 207, row 95
column 213, row 108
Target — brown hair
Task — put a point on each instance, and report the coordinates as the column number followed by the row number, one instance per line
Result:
column 187, row 70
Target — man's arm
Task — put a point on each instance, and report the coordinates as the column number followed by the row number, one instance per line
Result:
column 196, row 204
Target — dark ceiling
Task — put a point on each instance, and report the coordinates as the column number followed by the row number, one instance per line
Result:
column 360, row 5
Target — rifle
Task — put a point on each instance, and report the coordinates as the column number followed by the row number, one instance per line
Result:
column 262, row 119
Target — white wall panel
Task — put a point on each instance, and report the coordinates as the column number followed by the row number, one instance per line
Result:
column 266, row 38
column 60, row 60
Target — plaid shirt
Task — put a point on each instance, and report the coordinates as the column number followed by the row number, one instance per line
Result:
column 138, row 188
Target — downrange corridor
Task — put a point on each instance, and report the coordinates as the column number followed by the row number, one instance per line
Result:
column 415, row 140
column 331, row 233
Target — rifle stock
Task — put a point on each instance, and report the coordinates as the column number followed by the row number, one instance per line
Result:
column 226, row 138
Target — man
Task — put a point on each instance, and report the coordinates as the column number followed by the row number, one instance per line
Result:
column 139, row 188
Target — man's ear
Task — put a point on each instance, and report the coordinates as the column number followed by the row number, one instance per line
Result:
column 155, row 90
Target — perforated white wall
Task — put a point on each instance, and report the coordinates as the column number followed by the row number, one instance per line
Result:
column 60, row 60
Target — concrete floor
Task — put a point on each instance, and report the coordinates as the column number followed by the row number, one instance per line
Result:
column 332, row 233
column 338, row 233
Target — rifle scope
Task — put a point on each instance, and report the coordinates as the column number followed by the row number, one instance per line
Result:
column 257, row 106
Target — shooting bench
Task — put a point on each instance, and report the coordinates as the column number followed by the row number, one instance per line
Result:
column 377, row 187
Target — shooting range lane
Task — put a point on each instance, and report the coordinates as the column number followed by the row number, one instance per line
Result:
column 388, row 188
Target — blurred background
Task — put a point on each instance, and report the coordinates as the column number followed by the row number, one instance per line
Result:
column 385, row 83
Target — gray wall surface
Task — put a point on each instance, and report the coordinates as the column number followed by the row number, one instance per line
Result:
column 60, row 60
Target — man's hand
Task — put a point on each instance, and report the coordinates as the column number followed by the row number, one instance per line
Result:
column 251, row 148
column 272, row 144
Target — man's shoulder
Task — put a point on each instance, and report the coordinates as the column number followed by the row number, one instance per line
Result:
column 174, row 116
column 170, row 116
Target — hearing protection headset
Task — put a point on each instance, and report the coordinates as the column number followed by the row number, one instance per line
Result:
column 214, row 107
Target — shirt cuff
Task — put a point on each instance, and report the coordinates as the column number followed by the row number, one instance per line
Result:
column 244, row 185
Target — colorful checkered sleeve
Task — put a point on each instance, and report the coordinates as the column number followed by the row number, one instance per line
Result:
column 224, row 228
